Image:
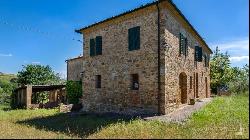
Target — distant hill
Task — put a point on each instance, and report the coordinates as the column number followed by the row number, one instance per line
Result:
column 7, row 77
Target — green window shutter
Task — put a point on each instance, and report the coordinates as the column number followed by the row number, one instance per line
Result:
column 200, row 54
column 137, row 38
column 208, row 60
column 99, row 45
column 205, row 60
column 92, row 47
column 196, row 53
column 182, row 44
column 186, row 47
column 130, row 39
column 199, row 59
column 134, row 38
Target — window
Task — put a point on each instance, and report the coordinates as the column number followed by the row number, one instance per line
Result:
column 134, row 82
column 98, row 80
column 96, row 46
column 191, row 82
column 134, row 38
column 198, row 54
column 183, row 45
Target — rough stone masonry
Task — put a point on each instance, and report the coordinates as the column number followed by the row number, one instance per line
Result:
column 116, row 78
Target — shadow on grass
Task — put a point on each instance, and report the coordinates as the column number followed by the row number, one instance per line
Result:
column 74, row 125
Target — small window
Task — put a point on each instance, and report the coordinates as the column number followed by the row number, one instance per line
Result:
column 191, row 82
column 98, row 81
column 134, row 82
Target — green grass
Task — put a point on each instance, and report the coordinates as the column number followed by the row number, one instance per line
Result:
column 225, row 117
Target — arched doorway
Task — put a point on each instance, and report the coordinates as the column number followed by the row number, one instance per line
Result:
column 183, row 87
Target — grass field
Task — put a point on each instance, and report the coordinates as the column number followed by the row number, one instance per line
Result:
column 225, row 117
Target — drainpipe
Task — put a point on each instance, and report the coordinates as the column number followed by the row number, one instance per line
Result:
column 159, row 62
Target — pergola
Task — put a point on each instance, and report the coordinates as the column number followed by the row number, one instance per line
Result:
column 23, row 94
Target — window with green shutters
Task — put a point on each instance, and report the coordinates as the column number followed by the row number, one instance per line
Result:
column 198, row 54
column 183, row 45
column 134, row 38
column 96, row 46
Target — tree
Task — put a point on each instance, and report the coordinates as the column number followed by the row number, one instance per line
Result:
column 37, row 75
column 220, row 70
column 74, row 91
column 222, row 74
column 7, row 85
column 239, row 80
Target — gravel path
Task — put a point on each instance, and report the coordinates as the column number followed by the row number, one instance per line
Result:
column 183, row 113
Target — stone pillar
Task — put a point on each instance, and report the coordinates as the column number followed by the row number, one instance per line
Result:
column 28, row 96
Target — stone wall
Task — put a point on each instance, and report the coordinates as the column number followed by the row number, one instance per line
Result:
column 74, row 69
column 116, row 64
column 176, row 64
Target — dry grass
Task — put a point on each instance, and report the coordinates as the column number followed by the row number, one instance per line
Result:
column 225, row 117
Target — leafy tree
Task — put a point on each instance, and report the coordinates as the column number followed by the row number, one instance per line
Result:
column 74, row 91
column 222, row 74
column 220, row 70
column 37, row 75
column 7, row 85
column 240, row 79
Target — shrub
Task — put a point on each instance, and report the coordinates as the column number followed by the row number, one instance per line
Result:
column 74, row 91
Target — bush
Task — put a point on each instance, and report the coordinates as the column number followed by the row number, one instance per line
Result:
column 74, row 91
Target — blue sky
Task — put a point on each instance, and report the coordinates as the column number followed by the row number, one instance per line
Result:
column 42, row 31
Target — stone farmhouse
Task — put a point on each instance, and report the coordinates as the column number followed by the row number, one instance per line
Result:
column 149, row 60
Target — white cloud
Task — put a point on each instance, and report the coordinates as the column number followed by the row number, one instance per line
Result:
column 238, row 49
column 242, row 44
column 6, row 55
column 36, row 62
column 239, row 58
